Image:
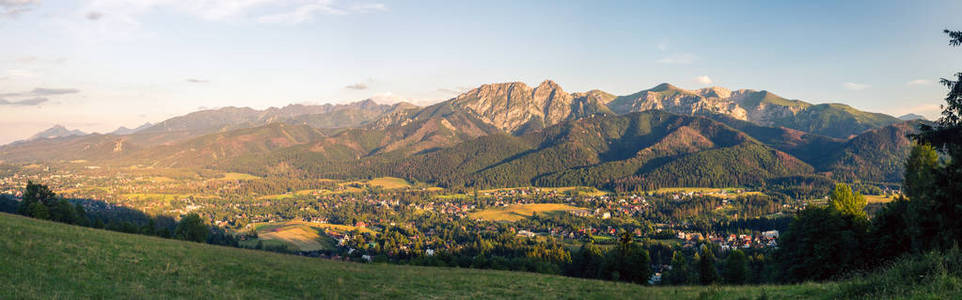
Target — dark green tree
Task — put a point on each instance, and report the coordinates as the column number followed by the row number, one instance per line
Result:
column 38, row 210
column 679, row 272
column 847, row 202
column 629, row 261
column 37, row 193
column 707, row 273
column 944, row 190
column 889, row 233
column 736, row 267
column 923, row 220
column 821, row 243
column 192, row 228
column 62, row 211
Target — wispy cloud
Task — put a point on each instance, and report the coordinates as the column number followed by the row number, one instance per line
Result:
column 357, row 86
column 682, row 58
column 26, row 102
column 13, row 8
column 41, row 92
column 919, row 82
column 195, row 80
column 368, row 8
column 45, row 91
column 302, row 13
column 264, row 11
column 33, row 97
column 306, row 12
column 852, row 86
column 704, row 79
column 94, row 15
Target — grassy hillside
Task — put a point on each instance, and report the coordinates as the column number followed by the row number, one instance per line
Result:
column 50, row 260
column 835, row 120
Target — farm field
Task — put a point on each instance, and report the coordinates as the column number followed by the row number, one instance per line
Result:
column 389, row 183
column 50, row 260
column 879, row 198
column 237, row 176
column 299, row 237
column 336, row 227
column 517, row 212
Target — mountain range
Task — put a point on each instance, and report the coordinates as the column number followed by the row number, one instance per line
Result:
column 57, row 131
column 511, row 134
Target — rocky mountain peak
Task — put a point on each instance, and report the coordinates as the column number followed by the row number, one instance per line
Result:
column 56, row 131
column 516, row 107
column 548, row 84
column 715, row 92
column 664, row 87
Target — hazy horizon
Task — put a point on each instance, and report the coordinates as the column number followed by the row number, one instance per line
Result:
column 98, row 65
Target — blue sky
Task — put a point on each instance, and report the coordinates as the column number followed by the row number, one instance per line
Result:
column 96, row 65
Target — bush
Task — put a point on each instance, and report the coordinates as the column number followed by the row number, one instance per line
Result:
column 936, row 275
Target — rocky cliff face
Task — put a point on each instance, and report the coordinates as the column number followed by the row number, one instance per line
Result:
column 759, row 107
column 764, row 107
column 516, row 108
column 667, row 97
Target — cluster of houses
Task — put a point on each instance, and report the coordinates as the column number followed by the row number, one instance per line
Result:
column 765, row 239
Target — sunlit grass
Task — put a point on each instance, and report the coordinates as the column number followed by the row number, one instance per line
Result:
column 519, row 211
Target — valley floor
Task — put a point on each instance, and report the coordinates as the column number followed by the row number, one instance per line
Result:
column 43, row 259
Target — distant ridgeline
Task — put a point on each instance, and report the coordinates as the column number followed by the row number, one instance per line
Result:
column 510, row 134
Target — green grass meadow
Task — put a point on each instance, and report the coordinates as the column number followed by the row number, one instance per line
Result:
column 42, row 259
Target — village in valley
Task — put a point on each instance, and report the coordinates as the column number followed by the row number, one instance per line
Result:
column 392, row 218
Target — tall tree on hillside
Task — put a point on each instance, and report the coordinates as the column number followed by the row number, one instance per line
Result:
column 192, row 228
column 922, row 218
column 679, row 272
column 847, row 202
column 821, row 243
column 34, row 195
column 889, row 234
column 946, row 184
column 736, row 267
column 630, row 261
column 707, row 274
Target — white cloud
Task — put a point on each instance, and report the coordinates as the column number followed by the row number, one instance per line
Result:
column 25, row 102
column 302, row 13
column 41, row 92
column 369, row 7
column 855, row 86
column 265, row 11
column 683, row 58
column 919, row 82
column 704, row 79
column 13, row 8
